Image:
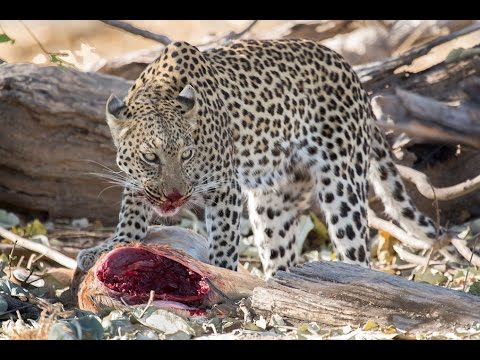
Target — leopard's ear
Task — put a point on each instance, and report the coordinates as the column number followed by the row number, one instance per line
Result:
column 188, row 99
column 113, row 108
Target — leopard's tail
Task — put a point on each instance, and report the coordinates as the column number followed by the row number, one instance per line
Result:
column 388, row 186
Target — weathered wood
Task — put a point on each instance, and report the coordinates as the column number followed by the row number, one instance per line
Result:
column 429, row 119
column 53, row 125
column 381, row 39
column 39, row 248
column 339, row 294
column 378, row 74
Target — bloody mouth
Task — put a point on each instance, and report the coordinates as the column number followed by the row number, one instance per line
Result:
column 167, row 208
column 135, row 272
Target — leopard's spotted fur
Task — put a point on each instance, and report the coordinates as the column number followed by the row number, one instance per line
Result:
column 282, row 122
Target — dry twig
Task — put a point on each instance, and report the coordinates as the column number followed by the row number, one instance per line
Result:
column 231, row 35
column 407, row 58
column 39, row 248
column 151, row 297
column 395, row 231
column 422, row 183
column 421, row 244
column 162, row 39
column 236, row 35
column 413, row 258
column 468, row 254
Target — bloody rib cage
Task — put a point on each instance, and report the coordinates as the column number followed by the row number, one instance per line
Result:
column 135, row 271
column 129, row 273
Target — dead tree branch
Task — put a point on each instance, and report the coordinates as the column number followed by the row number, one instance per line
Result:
column 427, row 118
column 237, row 35
column 395, row 231
column 420, row 244
column 229, row 37
column 463, row 249
column 377, row 70
column 423, row 185
column 409, row 257
column 39, row 248
column 162, row 39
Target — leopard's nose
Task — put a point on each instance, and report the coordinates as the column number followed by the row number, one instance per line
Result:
column 174, row 196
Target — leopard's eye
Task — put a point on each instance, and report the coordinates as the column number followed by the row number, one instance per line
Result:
column 187, row 154
column 150, row 158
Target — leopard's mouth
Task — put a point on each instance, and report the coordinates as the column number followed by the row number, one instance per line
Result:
column 166, row 208
column 134, row 272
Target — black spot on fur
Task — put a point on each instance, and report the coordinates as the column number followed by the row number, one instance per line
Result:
column 408, row 213
column 344, row 209
column 361, row 254
column 350, row 232
column 350, row 253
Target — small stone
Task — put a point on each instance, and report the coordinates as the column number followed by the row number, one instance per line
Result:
column 82, row 223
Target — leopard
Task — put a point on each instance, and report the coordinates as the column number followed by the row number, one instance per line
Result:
column 282, row 124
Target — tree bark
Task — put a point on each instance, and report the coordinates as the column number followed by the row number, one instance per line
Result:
column 429, row 120
column 339, row 294
column 52, row 128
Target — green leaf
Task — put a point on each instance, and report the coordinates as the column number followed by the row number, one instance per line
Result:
column 370, row 325
column 5, row 38
column 460, row 54
column 430, row 278
column 454, row 55
column 35, row 228
column 54, row 58
column 307, row 329
column 116, row 322
column 475, row 288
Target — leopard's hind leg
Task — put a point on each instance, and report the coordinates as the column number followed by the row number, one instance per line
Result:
column 274, row 216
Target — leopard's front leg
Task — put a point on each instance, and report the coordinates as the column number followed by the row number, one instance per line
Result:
column 132, row 226
column 222, row 216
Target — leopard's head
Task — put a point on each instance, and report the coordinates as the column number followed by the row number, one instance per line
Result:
column 155, row 146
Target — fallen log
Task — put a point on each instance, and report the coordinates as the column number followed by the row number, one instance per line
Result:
column 53, row 128
column 428, row 120
column 339, row 294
